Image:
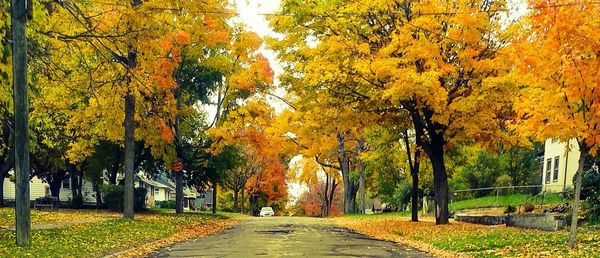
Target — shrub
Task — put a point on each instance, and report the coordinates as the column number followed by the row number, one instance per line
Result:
column 113, row 197
column 139, row 198
column 77, row 202
column 528, row 207
column 170, row 204
column 590, row 193
column 510, row 209
column 504, row 180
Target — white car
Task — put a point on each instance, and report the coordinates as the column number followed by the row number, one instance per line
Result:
column 266, row 211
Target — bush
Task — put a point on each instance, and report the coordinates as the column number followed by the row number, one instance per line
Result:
column 113, row 197
column 590, row 193
column 510, row 209
column 528, row 207
column 503, row 181
column 139, row 199
column 170, row 204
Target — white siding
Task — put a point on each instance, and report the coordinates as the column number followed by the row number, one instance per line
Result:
column 37, row 188
column 568, row 162
column 87, row 191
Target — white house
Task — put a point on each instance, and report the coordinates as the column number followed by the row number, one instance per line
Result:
column 559, row 165
column 37, row 188
column 157, row 190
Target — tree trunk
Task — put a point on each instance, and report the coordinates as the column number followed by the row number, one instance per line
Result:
column 325, row 207
column 56, row 183
column 129, row 124
column 112, row 177
column 128, row 188
column 440, row 187
column 242, row 201
column 414, row 209
column 361, row 184
column 413, row 163
column 21, row 125
column 76, row 197
column 98, row 196
column 575, row 212
column 179, row 192
column 349, row 192
column 214, row 207
column 235, row 200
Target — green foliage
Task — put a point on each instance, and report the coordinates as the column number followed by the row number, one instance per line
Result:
column 113, row 197
column 516, row 166
column 169, row 204
column 590, row 193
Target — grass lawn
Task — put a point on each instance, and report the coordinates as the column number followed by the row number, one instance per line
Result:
column 106, row 234
column 503, row 201
column 459, row 238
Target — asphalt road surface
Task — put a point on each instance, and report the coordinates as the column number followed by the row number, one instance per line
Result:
column 287, row 237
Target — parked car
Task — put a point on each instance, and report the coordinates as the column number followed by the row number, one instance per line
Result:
column 266, row 211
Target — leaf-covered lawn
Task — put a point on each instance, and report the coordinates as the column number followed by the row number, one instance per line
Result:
column 57, row 217
column 458, row 239
column 110, row 234
column 503, row 201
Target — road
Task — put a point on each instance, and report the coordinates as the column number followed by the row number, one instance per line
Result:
column 287, row 237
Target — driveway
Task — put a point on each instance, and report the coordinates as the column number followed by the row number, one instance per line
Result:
column 287, row 237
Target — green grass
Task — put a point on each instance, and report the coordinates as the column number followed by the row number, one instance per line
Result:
column 503, row 201
column 481, row 244
column 98, row 238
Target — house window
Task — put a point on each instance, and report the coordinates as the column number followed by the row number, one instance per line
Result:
column 548, row 169
column 66, row 183
column 555, row 177
column 47, row 191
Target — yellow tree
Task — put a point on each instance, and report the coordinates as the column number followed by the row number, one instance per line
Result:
column 129, row 52
column 432, row 60
column 557, row 64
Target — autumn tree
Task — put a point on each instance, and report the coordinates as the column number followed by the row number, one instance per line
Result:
column 135, row 48
column 434, row 61
column 557, row 66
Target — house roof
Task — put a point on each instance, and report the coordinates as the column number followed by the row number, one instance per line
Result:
column 155, row 183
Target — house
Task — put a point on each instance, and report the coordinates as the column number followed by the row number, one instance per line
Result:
column 559, row 164
column 159, row 189
column 39, row 188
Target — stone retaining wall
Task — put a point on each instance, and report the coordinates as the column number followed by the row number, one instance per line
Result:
column 545, row 221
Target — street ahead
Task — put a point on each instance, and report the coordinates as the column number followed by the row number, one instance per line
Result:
column 289, row 237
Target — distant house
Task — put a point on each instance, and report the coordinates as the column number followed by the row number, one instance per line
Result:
column 559, row 164
column 159, row 189
column 39, row 188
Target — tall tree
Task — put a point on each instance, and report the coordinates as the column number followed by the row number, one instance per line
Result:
column 557, row 66
column 434, row 61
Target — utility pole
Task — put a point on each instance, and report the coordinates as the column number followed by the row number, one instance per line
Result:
column 19, row 13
